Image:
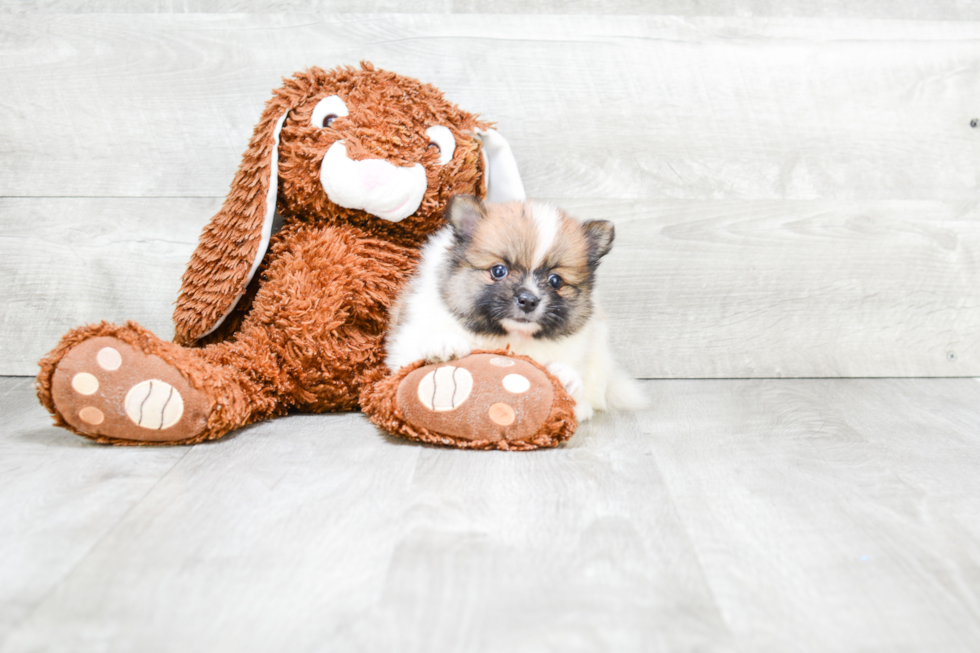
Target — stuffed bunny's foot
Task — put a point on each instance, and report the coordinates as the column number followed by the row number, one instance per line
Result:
column 111, row 391
column 486, row 400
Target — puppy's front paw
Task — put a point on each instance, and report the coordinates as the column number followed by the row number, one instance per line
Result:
column 569, row 378
column 446, row 348
column 583, row 410
column 575, row 388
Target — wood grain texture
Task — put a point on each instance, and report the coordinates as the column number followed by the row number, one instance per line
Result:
column 68, row 262
column 59, row 498
column 693, row 289
column 804, row 515
column 898, row 9
column 315, row 531
column 603, row 106
column 793, row 288
column 855, row 498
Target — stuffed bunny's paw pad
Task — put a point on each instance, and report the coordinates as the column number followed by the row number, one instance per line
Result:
column 107, row 388
column 482, row 398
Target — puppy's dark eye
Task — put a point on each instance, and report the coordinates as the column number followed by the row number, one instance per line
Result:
column 555, row 281
column 328, row 119
column 498, row 272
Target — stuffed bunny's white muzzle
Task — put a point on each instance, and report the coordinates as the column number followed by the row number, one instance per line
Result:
column 382, row 189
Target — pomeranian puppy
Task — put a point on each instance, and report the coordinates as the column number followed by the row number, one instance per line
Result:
column 518, row 274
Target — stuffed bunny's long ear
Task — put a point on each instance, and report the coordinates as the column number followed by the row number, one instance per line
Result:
column 233, row 244
column 503, row 180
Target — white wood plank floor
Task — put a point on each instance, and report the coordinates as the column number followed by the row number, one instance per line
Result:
column 759, row 515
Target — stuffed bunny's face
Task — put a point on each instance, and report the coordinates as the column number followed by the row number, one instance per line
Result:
column 364, row 148
column 376, row 149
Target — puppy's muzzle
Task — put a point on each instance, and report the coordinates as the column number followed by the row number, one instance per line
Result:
column 382, row 189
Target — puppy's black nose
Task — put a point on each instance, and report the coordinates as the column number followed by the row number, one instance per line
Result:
column 527, row 301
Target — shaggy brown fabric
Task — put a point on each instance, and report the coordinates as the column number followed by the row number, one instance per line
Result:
column 388, row 118
column 381, row 403
column 308, row 333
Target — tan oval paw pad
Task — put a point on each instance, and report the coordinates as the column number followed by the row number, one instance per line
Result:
column 109, row 359
column 501, row 414
column 84, row 383
column 154, row 404
column 92, row 415
column 445, row 388
column 516, row 384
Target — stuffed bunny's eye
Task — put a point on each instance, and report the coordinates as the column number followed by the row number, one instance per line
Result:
column 327, row 110
column 442, row 139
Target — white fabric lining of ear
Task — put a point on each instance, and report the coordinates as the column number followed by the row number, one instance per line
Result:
column 503, row 179
column 267, row 223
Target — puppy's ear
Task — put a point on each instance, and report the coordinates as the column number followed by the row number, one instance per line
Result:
column 463, row 213
column 600, row 235
column 233, row 244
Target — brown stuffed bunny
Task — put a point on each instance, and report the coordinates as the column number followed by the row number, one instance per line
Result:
column 366, row 161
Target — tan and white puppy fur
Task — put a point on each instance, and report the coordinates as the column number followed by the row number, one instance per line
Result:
column 517, row 274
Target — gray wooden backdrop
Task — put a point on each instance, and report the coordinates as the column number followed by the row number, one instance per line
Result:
column 795, row 188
